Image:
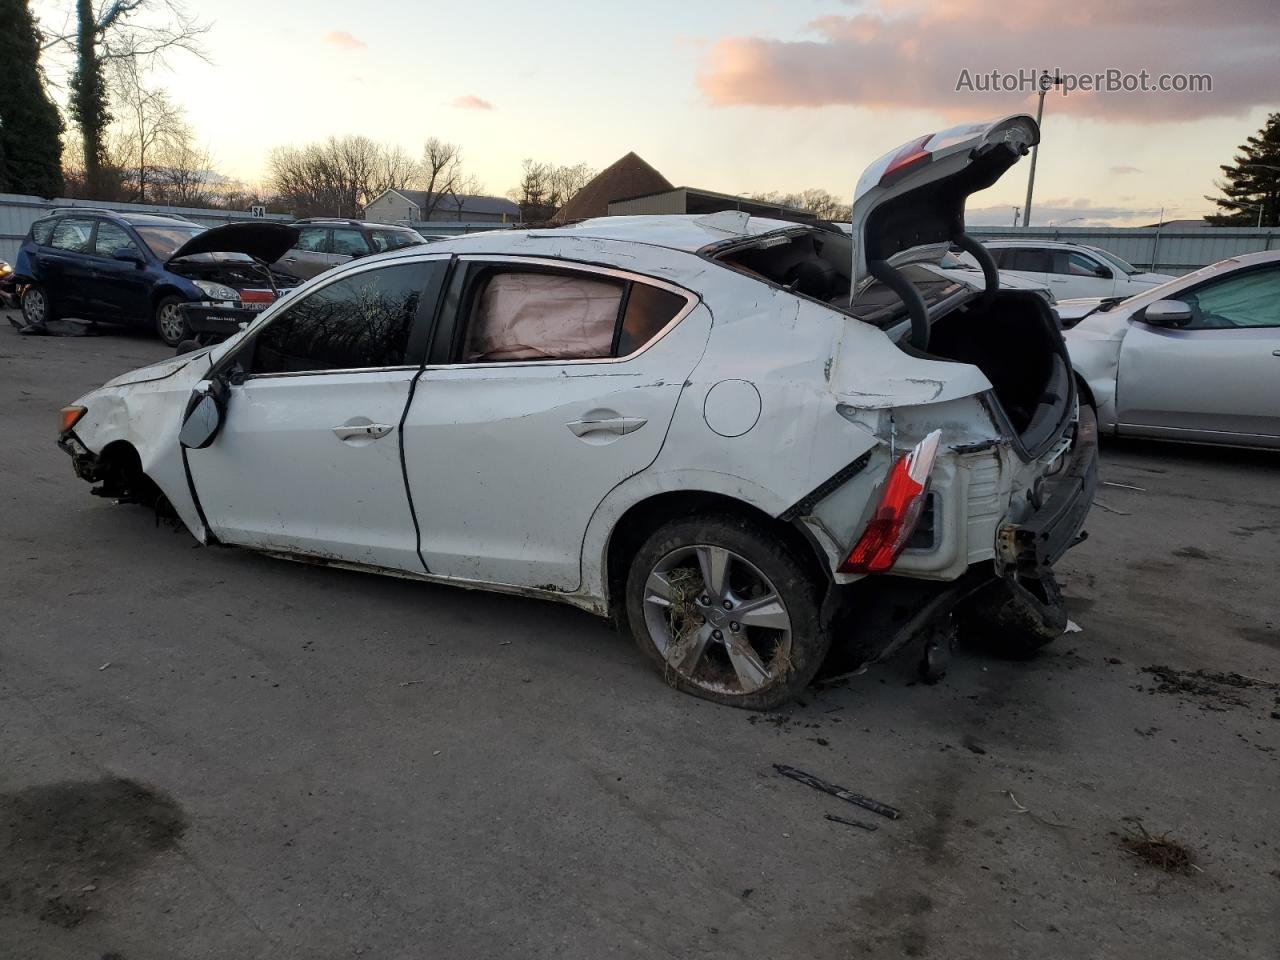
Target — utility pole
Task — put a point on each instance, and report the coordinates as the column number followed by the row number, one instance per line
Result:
column 1045, row 83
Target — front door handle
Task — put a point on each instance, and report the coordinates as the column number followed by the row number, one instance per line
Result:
column 1275, row 353
column 356, row 431
column 616, row 425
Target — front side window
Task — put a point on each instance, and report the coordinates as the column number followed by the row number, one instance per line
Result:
column 1076, row 265
column 522, row 315
column 349, row 243
column 111, row 237
column 1245, row 300
column 71, row 235
column 363, row 320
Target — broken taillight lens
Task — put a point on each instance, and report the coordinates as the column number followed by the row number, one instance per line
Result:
column 898, row 511
column 909, row 156
column 70, row 416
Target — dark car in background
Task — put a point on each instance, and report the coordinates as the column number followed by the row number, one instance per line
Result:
column 325, row 242
column 141, row 270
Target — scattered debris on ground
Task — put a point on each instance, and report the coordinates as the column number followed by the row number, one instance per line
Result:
column 875, row 806
column 1019, row 808
column 1207, row 685
column 1123, row 486
column 851, row 823
column 1159, row 851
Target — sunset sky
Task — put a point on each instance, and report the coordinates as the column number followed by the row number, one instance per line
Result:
column 739, row 96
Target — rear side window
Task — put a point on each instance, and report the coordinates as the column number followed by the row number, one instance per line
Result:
column 72, row 235
column 523, row 315
column 312, row 239
column 41, row 231
column 360, row 321
column 349, row 243
column 1029, row 260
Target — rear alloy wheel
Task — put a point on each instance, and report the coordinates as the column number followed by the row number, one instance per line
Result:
column 36, row 309
column 170, row 324
column 726, row 612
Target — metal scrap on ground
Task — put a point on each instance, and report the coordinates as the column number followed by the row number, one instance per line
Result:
column 875, row 806
column 851, row 823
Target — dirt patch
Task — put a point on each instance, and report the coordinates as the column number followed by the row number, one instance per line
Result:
column 1260, row 635
column 1193, row 553
column 61, row 843
column 1159, row 851
column 1214, row 690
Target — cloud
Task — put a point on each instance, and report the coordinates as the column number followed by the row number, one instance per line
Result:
column 470, row 101
column 340, row 38
column 913, row 54
column 1081, row 213
column 1123, row 170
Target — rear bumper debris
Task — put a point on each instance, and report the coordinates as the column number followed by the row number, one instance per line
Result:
column 1062, row 503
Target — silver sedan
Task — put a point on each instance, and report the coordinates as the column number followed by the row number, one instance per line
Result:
column 1196, row 359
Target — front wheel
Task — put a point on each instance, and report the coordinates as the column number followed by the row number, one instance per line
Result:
column 170, row 324
column 726, row 612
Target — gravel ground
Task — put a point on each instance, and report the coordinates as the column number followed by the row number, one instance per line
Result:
column 210, row 754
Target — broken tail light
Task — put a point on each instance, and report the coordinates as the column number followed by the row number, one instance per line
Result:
column 901, row 502
column 69, row 417
column 912, row 155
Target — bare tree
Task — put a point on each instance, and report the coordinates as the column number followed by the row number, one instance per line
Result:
column 338, row 176
column 439, row 173
column 149, row 127
column 820, row 203
column 143, row 31
column 546, row 187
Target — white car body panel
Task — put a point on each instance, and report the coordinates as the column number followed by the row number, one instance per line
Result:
column 1071, row 286
column 1215, row 386
column 486, row 476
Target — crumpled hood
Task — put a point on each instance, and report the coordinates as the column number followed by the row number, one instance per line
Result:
column 261, row 240
column 159, row 370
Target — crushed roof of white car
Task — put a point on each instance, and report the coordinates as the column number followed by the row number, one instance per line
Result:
column 745, row 441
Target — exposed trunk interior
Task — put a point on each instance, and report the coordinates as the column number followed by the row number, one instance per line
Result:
column 1015, row 342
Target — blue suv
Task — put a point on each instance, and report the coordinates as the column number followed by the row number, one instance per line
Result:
column 147, row 271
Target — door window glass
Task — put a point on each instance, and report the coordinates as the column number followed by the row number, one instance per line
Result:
column 1030, row 260
column 111, row 237
column 1076, row 265
column 349, row 243
column 72, row 235
column 1245, row 300
column 41, row 231
column 649, row 309
column 360, row 321
column 312, row 239
column 393, row 239
column 542, row 316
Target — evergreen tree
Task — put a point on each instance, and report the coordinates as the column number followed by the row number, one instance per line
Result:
column 1251, row 184
column 30, row 126
column 89, row 99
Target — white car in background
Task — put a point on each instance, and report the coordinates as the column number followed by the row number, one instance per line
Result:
column 1197, row 358
column 1072, row 269
column 723, row 432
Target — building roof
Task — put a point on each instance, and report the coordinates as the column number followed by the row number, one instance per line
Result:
column 627, row 177
column 468, row 202
column 698, row 200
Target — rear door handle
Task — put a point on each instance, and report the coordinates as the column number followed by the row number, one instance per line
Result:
column 1275, row 353
column 354, row 431
column 618, row 425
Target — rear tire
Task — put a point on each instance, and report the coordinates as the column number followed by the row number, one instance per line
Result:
column 725, row 611
column 37, row 308
column 1014, row 618
column 170, row 325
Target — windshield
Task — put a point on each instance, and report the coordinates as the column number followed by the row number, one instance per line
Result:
column 394, row 239
column 1111, row 258
column 162, row 241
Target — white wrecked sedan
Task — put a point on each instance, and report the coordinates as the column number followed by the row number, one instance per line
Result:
column 687, row 424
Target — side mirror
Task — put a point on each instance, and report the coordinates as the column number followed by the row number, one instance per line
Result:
column 204, row 416
column 1167, row 313
column 130, row 255
column 1104, row 272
